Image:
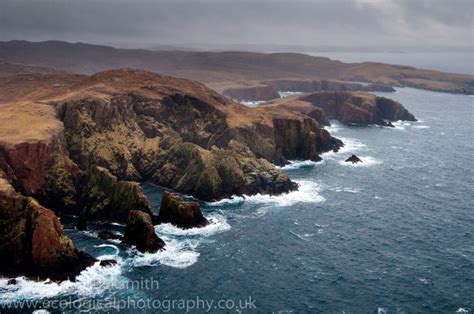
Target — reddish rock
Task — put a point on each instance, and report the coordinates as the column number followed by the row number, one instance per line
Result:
column 33, row 241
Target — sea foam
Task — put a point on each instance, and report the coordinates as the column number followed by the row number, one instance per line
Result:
column 308, row 192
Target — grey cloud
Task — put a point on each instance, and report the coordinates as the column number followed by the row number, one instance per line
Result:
column 224, row 22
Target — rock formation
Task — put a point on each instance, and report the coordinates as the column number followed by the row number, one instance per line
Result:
column 106, row 198
column 347, row 107
column 140, row 232
column 354, row 159
column 87, row 145
column 32, row 242
column 183, row 214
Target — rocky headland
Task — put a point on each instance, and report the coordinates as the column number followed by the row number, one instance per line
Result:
column 347, row 107
column 83, row 148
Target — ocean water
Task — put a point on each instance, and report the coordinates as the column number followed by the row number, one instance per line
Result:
column 394, row 234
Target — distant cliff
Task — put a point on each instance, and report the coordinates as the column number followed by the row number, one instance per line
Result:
column 230, row 66
column 347, row 107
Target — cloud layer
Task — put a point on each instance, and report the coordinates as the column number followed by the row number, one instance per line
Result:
column 234, row 22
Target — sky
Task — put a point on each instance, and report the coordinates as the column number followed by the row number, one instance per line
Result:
column 223, row 23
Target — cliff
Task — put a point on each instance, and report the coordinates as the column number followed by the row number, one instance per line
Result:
column 347, row 107
column 268, row 90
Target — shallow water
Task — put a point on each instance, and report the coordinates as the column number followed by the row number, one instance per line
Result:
column 395, row 233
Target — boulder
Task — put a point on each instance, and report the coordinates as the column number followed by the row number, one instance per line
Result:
column 140, row 232
column 183, row 214
column 354, row 159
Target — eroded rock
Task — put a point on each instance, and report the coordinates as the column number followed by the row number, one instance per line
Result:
column 140, row 232
column 183, row 214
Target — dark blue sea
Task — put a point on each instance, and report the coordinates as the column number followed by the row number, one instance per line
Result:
column 394, row 234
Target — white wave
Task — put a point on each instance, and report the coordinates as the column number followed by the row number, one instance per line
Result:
column 367, row 161
column 421, row 126
column 217, row 224
column 284, row 94
column 252, row 103
column 335, row 126
column 300, row 164
column 462, row 311
column 401, row 125
column 343, row 189
column 308, row 192
column 90, row 282
column 177, row 254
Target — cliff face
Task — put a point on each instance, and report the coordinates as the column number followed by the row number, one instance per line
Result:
column 32, row 241
column 347, row 107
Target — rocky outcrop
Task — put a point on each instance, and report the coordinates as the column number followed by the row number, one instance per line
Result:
column 140, row 232
column 183, row 214
column 349, row 108
column 253, row 93
column 32, row 242
column 268, row 90
column 392, row 110
column 353, row 159
column 106, row 198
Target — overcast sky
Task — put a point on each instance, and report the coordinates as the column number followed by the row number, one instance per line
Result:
column 147, row 23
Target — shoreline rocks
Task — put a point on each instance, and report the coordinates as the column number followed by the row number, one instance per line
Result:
column 140, row 232
column 183, row 214
column 354, row 159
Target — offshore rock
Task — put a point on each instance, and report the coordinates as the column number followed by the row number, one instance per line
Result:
column 140, row 232
column 183, row 214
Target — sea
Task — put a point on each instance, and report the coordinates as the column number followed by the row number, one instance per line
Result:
column 393, row 234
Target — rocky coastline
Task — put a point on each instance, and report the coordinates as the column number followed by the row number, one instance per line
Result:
column 84, row 151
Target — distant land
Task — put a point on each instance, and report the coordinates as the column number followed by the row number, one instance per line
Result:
column 235, row 68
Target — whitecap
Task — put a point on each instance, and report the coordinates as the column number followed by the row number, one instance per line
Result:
column 421, row 126
column 300, row 164
column 252, row 103
column 367, row 161
column 462, row 311
column 91, row 282
column 284, row 94
column 308, row 192
column 217, row 224
column 401, row 125
column 177, row 254
column 335, row 126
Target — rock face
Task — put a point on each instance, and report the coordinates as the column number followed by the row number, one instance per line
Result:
column 140, row 232
column 106, row 198
column 359, row 108
column 32, row 240
column 347, row 107
column 354, row 159
column 253, row 93
column 180, row 213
